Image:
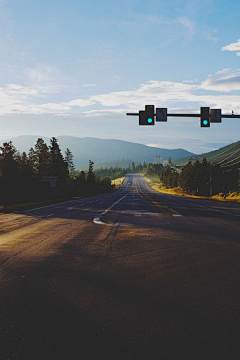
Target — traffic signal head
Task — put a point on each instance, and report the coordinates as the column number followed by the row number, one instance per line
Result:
column 147, row 117
column 215, row 115
column 205, row 117
column 161, row 114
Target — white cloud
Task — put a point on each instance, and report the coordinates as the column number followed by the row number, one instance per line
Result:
column 232, row 47
column 177, row 96
column 19, row 90
column 153, row 91
column 227, row 80
column 55, row 107
column 79, row 103
column 89, row 85
column 223, row 71
column 105, row 112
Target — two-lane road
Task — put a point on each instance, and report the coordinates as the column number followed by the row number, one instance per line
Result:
column 134, row 274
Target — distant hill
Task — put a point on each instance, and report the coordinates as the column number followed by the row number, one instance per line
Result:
column 228, row 152
column 102, row 151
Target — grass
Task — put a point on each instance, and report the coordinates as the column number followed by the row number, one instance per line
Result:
column 117, row 182
column 154, row 182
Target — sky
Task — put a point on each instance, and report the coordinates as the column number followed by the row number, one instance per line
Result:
column 72, row 67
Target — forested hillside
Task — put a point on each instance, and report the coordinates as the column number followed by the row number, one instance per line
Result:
column 109, row 152
column 44, row 174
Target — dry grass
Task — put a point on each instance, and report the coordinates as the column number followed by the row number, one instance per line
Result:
column 156, row 185
column 117, row 182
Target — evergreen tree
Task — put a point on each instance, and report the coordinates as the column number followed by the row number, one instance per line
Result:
column 23, row 166
column 82, row 176
column 8, row 172
column 31, row 164
column 91, row 175
column 42, row 161
column 59, row 166
column 69, row 162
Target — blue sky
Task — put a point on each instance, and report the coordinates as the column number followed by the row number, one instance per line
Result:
column 76, row 67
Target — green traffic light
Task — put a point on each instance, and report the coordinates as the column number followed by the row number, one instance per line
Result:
column 205, row 122
column 149, row 120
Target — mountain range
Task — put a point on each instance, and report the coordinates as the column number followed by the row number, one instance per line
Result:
column 108, row 152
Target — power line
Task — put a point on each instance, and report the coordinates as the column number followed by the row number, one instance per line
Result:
column 181, row 165
column 211, row 157
column 232, row 164
column 231, row 154
column 228, row 163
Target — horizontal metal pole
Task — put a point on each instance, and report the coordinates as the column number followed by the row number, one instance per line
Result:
column 191, row 115
column 184, row 115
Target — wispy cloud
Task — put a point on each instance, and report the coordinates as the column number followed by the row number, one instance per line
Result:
column 89, row 85
column 186, row 24
column 79, row 103
column 19, row 99
column 210, row 34
column 226, row 80
column 105, row 112
column 46, row 78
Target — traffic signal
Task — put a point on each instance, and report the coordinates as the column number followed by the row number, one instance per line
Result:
column 205, row 117
column 146, row 117
column 215, row 115
column 161, row 114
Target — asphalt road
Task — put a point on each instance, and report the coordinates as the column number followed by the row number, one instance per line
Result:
column 133, row 274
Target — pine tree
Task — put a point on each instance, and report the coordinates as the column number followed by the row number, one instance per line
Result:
column 8, row 161
column 42, row 159
column 8, row 172
column 69, row 162
column 90, row 175
column 59, row 166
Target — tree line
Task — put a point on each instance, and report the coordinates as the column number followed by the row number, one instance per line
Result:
column 44, row 174
column 198, row 178
column 202, row 178
column 117, row 172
